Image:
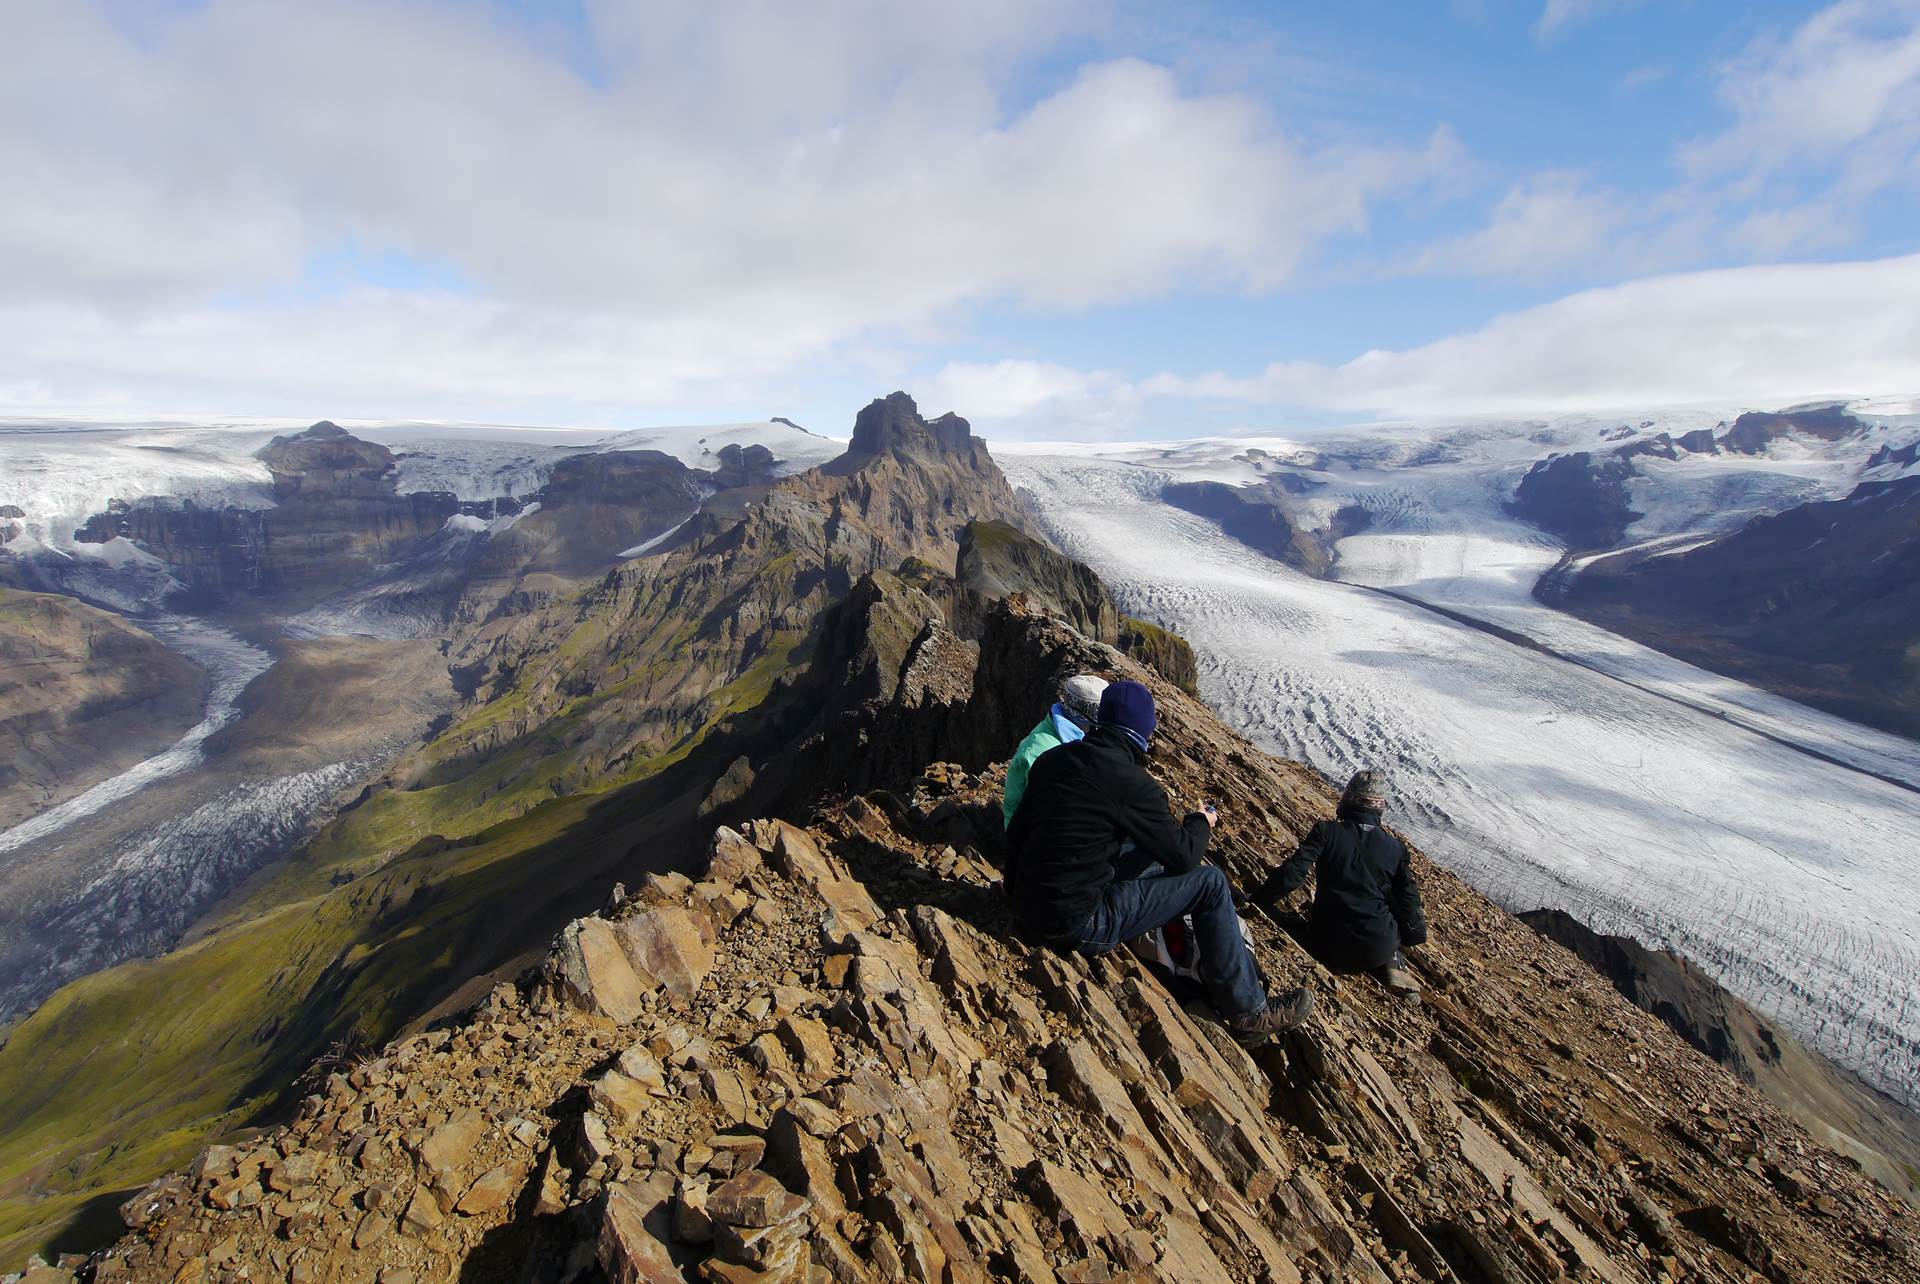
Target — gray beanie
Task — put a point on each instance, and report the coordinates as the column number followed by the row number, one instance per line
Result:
column 1368, row 788
column 1081, row 695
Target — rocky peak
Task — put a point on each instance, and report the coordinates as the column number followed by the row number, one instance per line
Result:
column 752, row 465
column 894, row 423
column 326, row 461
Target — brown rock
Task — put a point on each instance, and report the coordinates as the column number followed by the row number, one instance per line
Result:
column 692, row 1224
column 627, row 1251
column 552, row 1178
column 373, row 1228
column 423, row 1213
column 47, row 1275
column 755, row 1199
column 596, row 1146
column 235, row 1193
column 810, row 1046
column 213, row 1164
column 731, row 857
column 493, row 1189
column 641, row 1066
column 151, row 1201
column 666, row 945
column 619, row 1098
column 445, row 1152
column 591, row 968
column 764, row 1248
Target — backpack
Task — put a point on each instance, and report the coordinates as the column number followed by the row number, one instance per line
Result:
column 1174, row 951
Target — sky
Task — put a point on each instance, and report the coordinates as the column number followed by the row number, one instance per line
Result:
column 1091, row 219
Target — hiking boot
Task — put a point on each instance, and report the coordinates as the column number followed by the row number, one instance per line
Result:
column 1281, row 1013
column 1398, row 980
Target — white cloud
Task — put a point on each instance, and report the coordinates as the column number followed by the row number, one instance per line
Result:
column 723, row 197
column 1542, row 225
column 1822, row 116
column 1776, row 333
column 1840, row 94
column 1035, row 398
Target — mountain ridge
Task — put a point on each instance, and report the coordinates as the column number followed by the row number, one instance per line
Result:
column 822, row 1054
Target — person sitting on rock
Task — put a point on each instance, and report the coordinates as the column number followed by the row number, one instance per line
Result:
column 1096, row 859
column 1078, row 706
column 1366, row 906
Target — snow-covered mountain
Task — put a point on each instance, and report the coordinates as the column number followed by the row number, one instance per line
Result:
column 58, row 473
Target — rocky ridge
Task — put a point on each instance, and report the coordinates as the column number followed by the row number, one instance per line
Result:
column 1817, row 603
column 823, row 1054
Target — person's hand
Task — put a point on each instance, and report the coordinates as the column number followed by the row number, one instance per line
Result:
column 1212, row 815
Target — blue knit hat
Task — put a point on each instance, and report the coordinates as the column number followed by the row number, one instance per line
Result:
column 1128, row 705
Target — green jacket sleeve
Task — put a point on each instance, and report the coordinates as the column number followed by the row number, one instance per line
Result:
column 1038, row 741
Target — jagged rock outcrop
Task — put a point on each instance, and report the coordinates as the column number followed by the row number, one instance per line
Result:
column 83, row 694
column 1820, row 603
column 687, row 638
column 1833, row 1105
column 1162, row 650
column 836, row 1061
column 998, row 559
column 1584, row 501
column 893, row 424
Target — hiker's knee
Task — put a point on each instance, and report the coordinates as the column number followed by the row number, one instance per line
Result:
column 1213, row 884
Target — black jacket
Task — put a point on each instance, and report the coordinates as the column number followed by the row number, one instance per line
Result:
column 1365, row 904
column 1083, row 800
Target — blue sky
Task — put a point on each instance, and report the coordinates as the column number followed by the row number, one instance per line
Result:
column 1091, row 218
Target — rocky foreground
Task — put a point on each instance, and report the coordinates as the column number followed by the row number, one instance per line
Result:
column 823, row 1054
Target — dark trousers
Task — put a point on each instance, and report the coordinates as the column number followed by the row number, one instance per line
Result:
column 1145, row 897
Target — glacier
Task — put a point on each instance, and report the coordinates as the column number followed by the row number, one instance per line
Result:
column 1568, row 768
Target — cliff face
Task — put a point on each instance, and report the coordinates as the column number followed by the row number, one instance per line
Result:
column 336, row 517
column 998, row 559
column 823, row 1054
column 1818, row 603
column 83, row 694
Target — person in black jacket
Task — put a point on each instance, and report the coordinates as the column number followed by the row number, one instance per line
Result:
column 1366, row 907
column 1096, row 859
